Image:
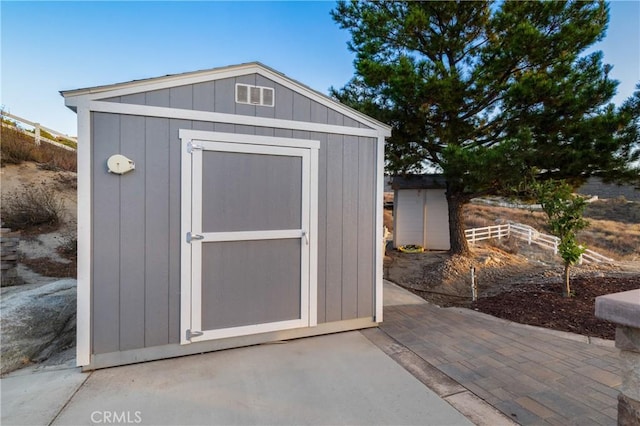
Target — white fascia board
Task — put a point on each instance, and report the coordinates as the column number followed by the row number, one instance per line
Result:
column 218, row 117
column 206, row 135
column 158, row 83
column 83, row 299
column 313, row 236
column 185, row 247
column 123, row 89
column 379, row 241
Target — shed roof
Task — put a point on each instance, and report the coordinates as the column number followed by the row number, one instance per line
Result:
column 174, row 80
column 426, row 181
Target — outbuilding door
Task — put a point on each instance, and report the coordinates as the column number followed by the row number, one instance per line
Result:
column 249, row 235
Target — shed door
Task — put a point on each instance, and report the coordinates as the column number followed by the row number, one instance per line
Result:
column 249, row 239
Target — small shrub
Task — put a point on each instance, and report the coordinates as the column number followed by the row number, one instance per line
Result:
column 33, row 206
column 15, row 147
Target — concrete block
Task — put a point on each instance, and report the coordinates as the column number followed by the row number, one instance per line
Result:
column 630, row 363
column 622, row 308
column 628, row 338
column 628, row 411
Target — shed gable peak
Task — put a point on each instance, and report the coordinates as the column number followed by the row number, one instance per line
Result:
column 97, row 93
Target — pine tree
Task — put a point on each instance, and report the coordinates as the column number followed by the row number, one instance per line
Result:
column 487, row 91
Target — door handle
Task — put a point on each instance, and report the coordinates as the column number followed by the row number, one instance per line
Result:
column 306, row 236
column 193, row 237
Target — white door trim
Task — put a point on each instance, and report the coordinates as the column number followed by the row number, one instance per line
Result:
column 193, row 144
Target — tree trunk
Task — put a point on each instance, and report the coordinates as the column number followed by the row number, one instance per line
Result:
column 566, row 280
column 457, row 238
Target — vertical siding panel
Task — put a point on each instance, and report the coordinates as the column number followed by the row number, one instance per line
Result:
column 136, row 99
column 132, row 234
column 245, row 130
column 203, row 96
column 174, row 227
column 181, row 97
column 301, row 112
column 203, row 100
column 203, row 125
column 301, row 108
column 106, row 235
column 156, row 232
column 319, row 113
column 300, row 134
column 224, row 127
column 322, row 224
column 245, row 109
column 366, row 227
column 334, row 117
column 333, row 293
column 284, row 133
column 158, row 98
column 265, row 131
column 349, row 122
column 284, row 103
column 350, row 228
column 266, row 111
column 115, row 99
column 225, row 96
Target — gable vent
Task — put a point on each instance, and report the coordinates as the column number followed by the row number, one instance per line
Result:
column 254, row 95
column 242, row 94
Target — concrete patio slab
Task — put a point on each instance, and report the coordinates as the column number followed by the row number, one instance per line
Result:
column 335, row 379
column 35, row 398
column 395, row 295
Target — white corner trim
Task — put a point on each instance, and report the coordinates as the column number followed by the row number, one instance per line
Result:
column 185, row 247
column 83, row 300
column 313, row 237
column 218, row 117
column 379, row 241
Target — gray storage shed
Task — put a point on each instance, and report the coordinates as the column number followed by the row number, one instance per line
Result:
column 222, row 208
column 420, row 211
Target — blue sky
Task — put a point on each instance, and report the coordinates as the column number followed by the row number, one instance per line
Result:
column 53, row 46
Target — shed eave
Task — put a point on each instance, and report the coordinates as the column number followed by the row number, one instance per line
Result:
column 142, row 84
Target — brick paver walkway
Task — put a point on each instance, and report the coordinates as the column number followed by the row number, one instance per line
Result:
column 532, row 376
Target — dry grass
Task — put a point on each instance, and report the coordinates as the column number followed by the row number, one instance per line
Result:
column 17, row 147
column 614, row 229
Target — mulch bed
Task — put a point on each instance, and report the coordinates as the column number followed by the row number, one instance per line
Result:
column 543, row 305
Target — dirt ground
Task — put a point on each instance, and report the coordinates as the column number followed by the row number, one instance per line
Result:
column 45, row 251
column 525, row 287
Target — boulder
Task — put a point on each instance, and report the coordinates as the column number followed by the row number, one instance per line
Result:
column 37, row 323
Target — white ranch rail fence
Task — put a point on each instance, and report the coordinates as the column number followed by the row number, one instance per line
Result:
column 530, row 235
column 36, row 131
